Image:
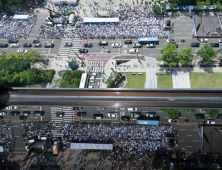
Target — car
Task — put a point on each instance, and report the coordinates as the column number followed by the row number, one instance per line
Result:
column 26, row 113
column 12, row 41
column 116, row 45
column 125, row 118
column 59, row 114
column 219, row 116
column 49, row 45
column 22, row 117
column 83, row 51
column 22, row 51
column 68, row 44
column 94, row 74
column 3, row 45
column 151, row 46
column 171, row 41
column 14, row 45
column 128, row 42
column 103, row 43
column 92, row 79
column 37, row 45
column 35, row 42
column 195, row 44
column 133, row 51
column 81, row 113
column 112, row 114
column 204, row 40
column 97, row 116
column 132, row 109
column 151, row 114
column 214, row 44
column 14, row 113
column 75, row 108
column 135, row 114
column 220, row 40
column 87, row 45
column 3, row 113
column 137, row 45
column 27, row 45
column 11, row 107
column 173, row 120
column 199, row 116
column 38, row 113
column 210, row 121
column 197, row 49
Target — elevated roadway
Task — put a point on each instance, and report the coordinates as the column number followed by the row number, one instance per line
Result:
column 180, row 98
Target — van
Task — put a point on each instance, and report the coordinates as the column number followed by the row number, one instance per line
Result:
column 195, row 44
column 103, row 43
column 98, row 116
column 133, row 51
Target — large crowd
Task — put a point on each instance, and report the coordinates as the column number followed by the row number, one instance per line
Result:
column 6, row 136
column 11, row 28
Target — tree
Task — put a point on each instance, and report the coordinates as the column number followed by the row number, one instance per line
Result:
column 191, row 111
column 169, row 55
column 156, row 9
column 207, row 53
column 186, row 56
column 218, row 6
column 200, row 4
column 212, row 112
column 172, row 113
column 173, row 4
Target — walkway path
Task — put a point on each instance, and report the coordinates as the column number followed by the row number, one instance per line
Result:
column 151, row 78
column 181, row 79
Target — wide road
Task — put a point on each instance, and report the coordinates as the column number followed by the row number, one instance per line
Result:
column 117, row 97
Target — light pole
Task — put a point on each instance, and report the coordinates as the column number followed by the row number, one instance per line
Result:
column 79, row 58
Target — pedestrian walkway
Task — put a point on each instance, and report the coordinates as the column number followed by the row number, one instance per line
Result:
column 95, row 66
column 65, row 52
column 151, row 77
column 68, row 114
column 181, row 79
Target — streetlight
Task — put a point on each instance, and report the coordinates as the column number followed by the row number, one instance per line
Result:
column 79, row 58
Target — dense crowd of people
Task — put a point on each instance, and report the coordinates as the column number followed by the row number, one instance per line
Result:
column 11, row 28
column 6, row 136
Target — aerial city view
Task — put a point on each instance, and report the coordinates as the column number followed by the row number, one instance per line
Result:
column 110, row 84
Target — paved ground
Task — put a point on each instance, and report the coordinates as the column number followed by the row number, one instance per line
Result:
column 151, row 77
column 181, row 79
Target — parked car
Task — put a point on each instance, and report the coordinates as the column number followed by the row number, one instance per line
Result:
column 68, row 44
column 14, row 113
column 116, row 45
column 128, row 42
column 125, row 118
column 14, row 45
column 103, row 43
column 195, row 44
column 38, row 113
column 49, row 45
column 151, row 45
column 87, row 45
column 133, row 51
column 173, row 120
column 215, row 44
column 11, row 107
column 22, row 51
column 26, row 113
column 3, row 45
column 204, row 40
column 151, row 114
column 199, row 116
column 27, row 45
column 83, row 51
column 137, row 45
column 210, row 121
column 3, row 113
column 35, row 42
column 10, row 41
column 135, row 114
column 37, row 45
column 81, row 113
column 98, row 116
column 171, row 41
column 220, row 40
column 112, row 114
column 132, row 109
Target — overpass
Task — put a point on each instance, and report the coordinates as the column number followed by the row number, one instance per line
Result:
column 181, row 98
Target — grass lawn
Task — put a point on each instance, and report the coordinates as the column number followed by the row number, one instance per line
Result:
column 164, row 82
column 206, row 80
column 135, row 81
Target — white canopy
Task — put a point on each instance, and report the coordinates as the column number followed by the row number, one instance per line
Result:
column 21, row 17
column 73, row 2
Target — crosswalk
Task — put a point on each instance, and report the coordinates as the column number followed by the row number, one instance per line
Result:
column 65, row 52
column 108, row 118
column 95, row 66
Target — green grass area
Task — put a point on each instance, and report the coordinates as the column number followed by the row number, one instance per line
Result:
column 206, row 80
column 164, row 81
column 135, row 81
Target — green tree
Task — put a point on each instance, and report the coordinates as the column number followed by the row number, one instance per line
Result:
column 173, row 4
column 156, row 9
column 191, row 111
column 172, row 113
column 200, row 4
column 186, row 56
column 207, row 53
column 71, row 79
column 169, row 55
column 212, row 112
column 218, row 6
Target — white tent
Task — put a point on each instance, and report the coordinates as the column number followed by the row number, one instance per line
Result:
column 71, row 2
column 21, row 17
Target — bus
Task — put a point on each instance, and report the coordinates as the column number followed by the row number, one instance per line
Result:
column 143, row 120
column 149, row 40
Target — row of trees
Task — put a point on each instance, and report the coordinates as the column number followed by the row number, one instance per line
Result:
column 175, row 113
column 16, row 68
column 173, row 57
